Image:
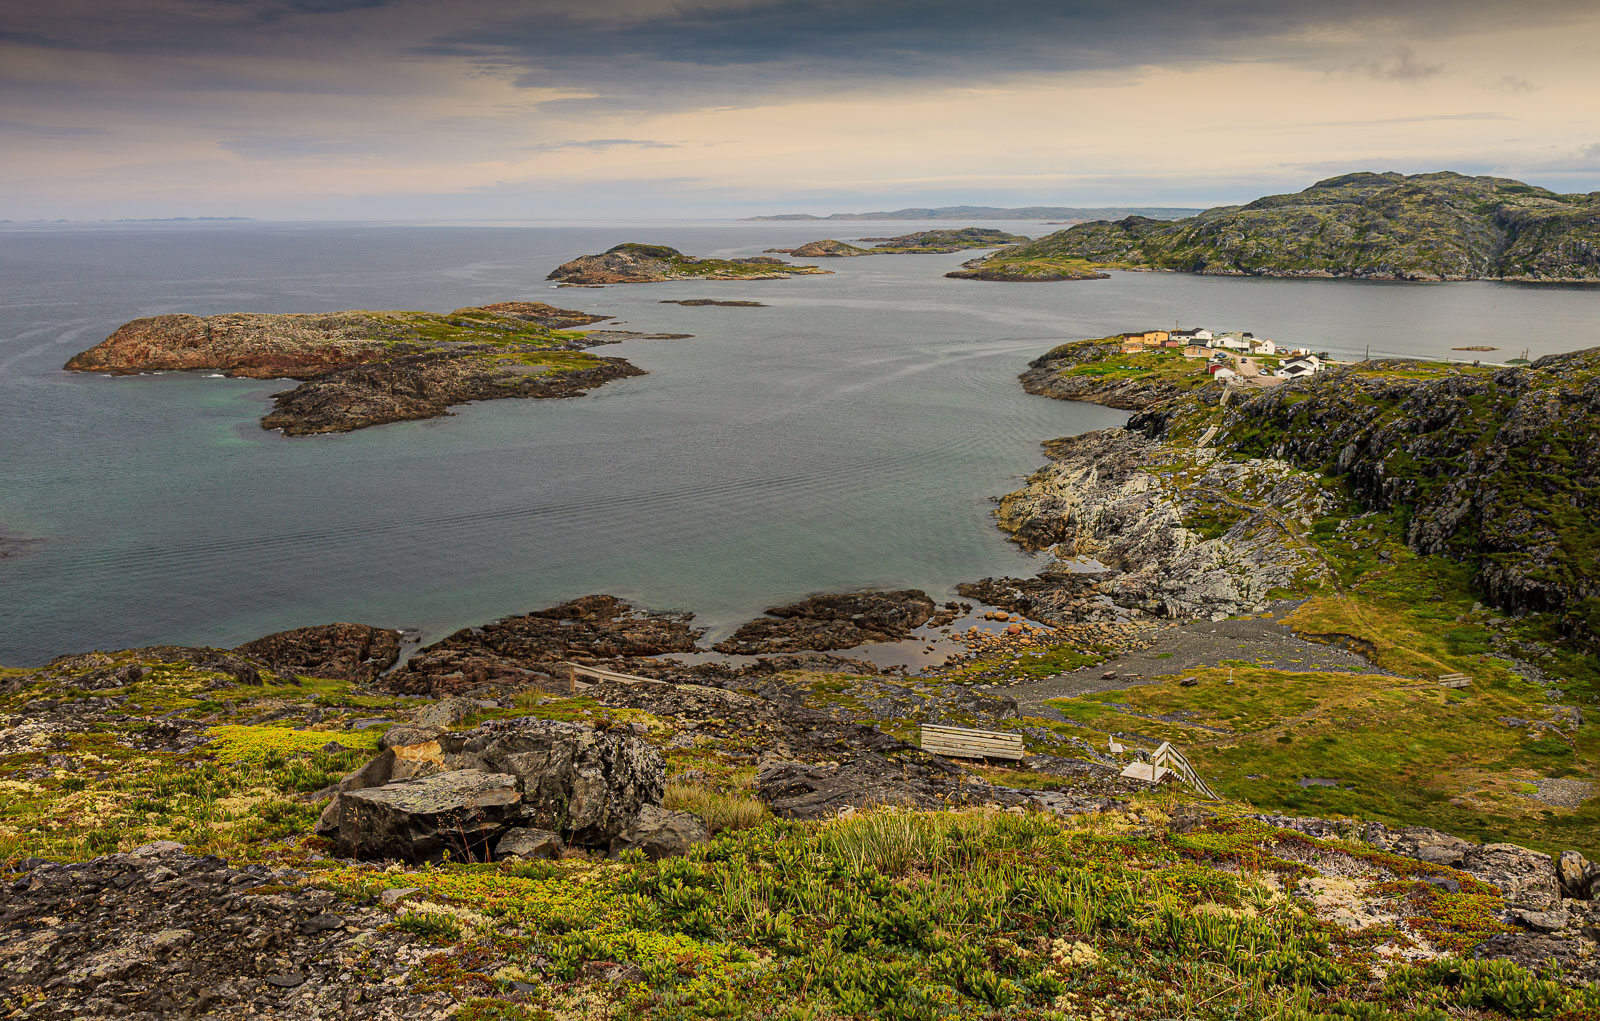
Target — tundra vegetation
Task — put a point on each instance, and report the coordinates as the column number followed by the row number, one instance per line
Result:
column 1149, row 907
column 1441, row 226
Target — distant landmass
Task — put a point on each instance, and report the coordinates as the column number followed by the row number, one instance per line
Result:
column 1440, row 226
column 1076, row 214
column 150, row 219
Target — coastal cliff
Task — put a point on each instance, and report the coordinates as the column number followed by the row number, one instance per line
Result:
column 363, row 368
column 1496, row 467
column 633, row 263
column 1441, row 226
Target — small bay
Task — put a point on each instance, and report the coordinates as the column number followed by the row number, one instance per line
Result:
column 852, row 432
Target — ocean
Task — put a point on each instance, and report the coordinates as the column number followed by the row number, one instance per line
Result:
column 855, row 432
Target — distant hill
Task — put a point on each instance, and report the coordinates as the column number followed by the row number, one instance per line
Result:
column 1440, row 226
column 1074, row 213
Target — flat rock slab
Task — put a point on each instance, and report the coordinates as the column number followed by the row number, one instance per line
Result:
column 456, row 814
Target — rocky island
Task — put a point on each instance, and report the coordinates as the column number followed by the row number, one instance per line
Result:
column 633, row 263
column 1441, row 226
column 364, row 368
column 927, row 242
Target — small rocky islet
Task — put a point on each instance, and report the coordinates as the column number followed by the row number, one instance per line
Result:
column 363, row 368
column 926, row 242
column 635, row 263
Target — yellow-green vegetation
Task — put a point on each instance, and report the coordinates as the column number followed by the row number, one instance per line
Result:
column 172, row 756
column 958, row 915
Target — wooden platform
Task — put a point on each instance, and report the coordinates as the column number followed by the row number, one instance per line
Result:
column 960, row 743
column 1454, row 680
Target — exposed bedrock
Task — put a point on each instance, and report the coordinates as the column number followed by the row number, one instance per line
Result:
column 836, row 621
column 527, row 649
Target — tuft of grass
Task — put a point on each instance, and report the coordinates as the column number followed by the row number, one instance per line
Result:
column 720, row 811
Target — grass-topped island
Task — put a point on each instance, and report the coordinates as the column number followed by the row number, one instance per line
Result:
column 634, row 263
column 362, row 368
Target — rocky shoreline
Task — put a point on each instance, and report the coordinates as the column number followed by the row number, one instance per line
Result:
column 362, row 368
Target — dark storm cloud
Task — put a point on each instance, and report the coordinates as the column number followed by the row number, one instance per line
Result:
column 661, row 54
column 693, row 55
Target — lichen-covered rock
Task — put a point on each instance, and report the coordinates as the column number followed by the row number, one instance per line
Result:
column 586, row 784
column 459, row 814
column 1580, row 878
column 529, row 842
column 1527, row 879
column 661, row 833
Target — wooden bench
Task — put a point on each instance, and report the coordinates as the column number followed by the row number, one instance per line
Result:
column 960, row 743
column 1454, row 680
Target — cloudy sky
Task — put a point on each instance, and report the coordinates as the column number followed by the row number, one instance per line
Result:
column 355, row 109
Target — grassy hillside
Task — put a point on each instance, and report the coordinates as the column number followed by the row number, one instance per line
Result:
column 1441, row 226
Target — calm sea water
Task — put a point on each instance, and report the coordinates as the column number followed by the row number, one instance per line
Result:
column 852, row 433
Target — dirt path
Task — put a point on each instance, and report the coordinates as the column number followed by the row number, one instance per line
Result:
column 1187, row 647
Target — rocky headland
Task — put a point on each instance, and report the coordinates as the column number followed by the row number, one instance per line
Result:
column 634, row 263
column 1441, row 226
column 365, row 368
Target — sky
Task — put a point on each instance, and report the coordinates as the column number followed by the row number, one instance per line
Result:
column 497, row 109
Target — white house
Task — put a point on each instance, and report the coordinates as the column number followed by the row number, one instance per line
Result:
column 1233, row 341
column 1263, row 346
column 1198, row 335
column 1297, row 368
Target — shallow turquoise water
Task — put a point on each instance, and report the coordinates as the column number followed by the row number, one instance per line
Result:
column 853, row 433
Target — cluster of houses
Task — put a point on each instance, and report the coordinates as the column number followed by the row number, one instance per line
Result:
column 1232, row 355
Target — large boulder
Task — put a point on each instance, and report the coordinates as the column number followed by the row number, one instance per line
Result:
column 1527, row 879
column 458, row 814
column 583, row 783
column 661, row 833
column 1580, row 878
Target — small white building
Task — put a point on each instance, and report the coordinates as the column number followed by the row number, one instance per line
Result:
column 1233, row 341
column 1198, row 335
column 1296, row 368
column 1263, row 346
